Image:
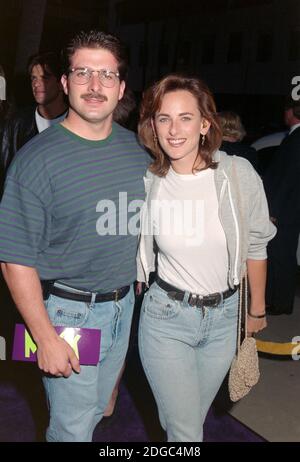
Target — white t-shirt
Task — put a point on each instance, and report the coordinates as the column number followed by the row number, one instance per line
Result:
column 43, row 123
column 192, row 245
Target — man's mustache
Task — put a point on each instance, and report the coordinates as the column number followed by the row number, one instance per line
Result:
column 98, row 96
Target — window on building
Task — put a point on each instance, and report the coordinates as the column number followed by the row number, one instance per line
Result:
column 294, row 45
column 264, row 47
column 208, row 44
column 235, row 47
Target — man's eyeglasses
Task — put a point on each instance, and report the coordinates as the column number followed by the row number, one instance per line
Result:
column 82, row 75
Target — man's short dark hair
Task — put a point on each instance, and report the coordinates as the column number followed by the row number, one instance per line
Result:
column 97, row 39
column 49, row 61
column 293, row 104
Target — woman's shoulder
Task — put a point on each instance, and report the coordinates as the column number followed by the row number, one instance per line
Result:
column 148, row 180
column 149, row 175
column 238, row 169
column 229, row 161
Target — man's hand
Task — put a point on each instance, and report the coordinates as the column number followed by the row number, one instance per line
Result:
column 56, row 357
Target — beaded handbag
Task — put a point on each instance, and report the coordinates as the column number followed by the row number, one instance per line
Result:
column 244, row 370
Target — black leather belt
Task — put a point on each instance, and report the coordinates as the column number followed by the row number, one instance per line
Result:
column 199, row 301
column 50, row 288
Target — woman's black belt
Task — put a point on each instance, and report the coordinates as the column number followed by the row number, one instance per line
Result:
column 199, row 301
column 86, row 297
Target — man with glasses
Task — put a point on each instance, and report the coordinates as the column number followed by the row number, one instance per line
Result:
column 68, row 254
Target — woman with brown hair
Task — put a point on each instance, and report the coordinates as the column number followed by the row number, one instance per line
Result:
column 207, row 215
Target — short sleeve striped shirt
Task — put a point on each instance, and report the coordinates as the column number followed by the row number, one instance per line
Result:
column 70, row 208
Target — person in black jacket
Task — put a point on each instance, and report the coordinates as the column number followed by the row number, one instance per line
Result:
column 282, row 187
column 2, row 98
column 233, row 134
column 6, row 109
column 45, row 72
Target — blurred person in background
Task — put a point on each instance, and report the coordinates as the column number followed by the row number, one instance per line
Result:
column 44, row 71
column 5, row 111
column 233, row 132
column 282, row 187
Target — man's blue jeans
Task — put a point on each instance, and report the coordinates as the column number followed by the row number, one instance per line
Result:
column 77, row 403
column 186, row 353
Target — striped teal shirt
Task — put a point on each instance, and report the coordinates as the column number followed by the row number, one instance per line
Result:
column 68, row 204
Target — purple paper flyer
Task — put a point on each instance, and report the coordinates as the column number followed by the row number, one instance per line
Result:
column 85, row 342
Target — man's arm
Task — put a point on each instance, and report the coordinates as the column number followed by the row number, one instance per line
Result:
column 54, row 355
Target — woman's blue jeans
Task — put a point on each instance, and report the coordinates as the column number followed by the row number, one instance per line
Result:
column 186, row 353
column 77, row 403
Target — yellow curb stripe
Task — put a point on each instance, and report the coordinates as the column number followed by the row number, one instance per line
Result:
column 275, row 348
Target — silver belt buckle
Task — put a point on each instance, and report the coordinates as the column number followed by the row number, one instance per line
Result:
column 199, row 302
column 218, row 300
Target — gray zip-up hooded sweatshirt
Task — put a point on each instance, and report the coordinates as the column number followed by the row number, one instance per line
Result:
column 243, row 212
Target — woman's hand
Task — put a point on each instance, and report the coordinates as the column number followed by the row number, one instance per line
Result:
column 255, row 325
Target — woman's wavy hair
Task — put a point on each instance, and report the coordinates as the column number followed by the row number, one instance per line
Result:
column 151, row 104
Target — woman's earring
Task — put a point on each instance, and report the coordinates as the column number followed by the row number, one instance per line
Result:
column 155, row 140
column 203, row 140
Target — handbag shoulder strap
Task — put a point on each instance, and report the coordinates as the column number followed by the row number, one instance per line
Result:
column 243, row 303
column 243, row 291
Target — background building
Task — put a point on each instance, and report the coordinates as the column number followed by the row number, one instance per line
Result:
column 247, row 50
